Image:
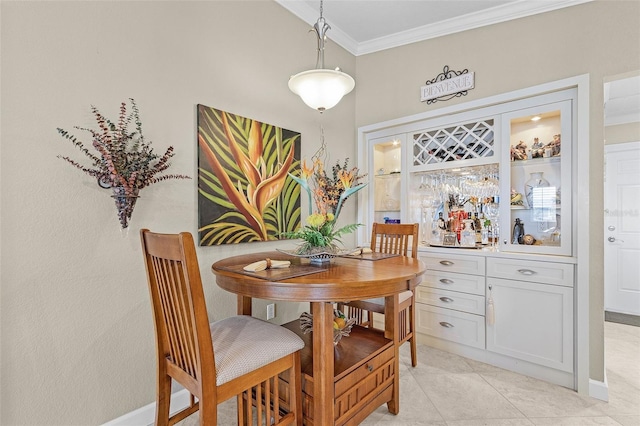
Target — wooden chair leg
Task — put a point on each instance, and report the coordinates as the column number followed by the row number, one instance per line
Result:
column 370, row 319
column 414, row 354
column 296, row 388
column 163, row 399
column 208, row 413
column 412, row 341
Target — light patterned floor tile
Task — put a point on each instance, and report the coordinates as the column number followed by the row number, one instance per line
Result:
column 491, row 422
column 537, row 398
column 627, row 420
column 575, row 421
column 465, row 397
column 415, row 406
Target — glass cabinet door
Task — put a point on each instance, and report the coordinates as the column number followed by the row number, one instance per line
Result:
column 536, row 215
column 384, row 197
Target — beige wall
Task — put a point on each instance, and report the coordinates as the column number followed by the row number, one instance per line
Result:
column 76, row 328
column 77, row 332
column 601, row 38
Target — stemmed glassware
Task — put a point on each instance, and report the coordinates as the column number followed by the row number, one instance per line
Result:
column 492, row 210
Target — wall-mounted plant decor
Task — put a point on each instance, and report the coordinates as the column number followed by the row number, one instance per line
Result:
column 124, row 161
column 244, row 191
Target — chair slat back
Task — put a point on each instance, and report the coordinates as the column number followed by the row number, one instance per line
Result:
column 395, row 238
column 180, row 315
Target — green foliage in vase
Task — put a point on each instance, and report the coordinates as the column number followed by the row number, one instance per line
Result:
column 328, row 194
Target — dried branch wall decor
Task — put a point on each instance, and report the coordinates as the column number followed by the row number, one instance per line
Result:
column 447, row 85
column 245, row 193
column 124, row 160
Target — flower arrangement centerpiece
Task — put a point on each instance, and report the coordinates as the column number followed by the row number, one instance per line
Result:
column 328, row 193
column 124, row 160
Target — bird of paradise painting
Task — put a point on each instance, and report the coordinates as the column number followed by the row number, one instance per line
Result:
column 245, row 193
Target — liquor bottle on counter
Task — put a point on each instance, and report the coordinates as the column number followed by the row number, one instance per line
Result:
column 477, row 226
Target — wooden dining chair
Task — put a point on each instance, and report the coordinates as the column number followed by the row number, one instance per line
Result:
column 391, row 238
column 238, row 356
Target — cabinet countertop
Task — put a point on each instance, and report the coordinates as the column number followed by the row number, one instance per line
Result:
column 426, row 250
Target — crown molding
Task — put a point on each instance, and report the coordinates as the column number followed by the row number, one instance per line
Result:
column 514, row 10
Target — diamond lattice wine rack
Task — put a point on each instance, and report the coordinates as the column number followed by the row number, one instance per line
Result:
column 468, row 141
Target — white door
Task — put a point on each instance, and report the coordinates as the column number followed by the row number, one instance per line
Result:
column 622, row 228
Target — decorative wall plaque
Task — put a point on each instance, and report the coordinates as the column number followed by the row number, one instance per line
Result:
column 447, row 85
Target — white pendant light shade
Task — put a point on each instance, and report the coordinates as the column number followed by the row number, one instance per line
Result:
column 321, row 89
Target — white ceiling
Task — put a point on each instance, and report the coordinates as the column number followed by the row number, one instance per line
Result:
column 366, row 26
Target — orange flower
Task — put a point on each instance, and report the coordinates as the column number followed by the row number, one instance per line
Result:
column 346, row 178
column 306, row 171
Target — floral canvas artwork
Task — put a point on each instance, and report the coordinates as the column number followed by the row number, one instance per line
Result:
column 245, row 189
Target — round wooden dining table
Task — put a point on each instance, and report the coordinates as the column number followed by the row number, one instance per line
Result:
column 342, row 279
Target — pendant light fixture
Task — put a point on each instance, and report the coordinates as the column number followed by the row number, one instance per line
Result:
column 321, row 88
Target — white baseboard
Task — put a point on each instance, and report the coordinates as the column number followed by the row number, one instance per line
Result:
column 146, row 415
column 599, row 390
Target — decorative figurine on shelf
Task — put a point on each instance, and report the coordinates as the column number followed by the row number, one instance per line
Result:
column 528, row 240
column 555, row 146
column 518, row 232
column 516, row 198
column 519, row 152
column 537, row 149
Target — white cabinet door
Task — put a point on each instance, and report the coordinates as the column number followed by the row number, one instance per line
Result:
column 533, row 322
column 537, row 165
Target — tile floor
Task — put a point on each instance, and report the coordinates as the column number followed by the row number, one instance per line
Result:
column 449, row 390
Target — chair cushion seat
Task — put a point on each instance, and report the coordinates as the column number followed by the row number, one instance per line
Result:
column 242, row 344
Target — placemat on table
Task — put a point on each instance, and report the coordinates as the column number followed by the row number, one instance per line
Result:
column 277, row 274
column 371, row 256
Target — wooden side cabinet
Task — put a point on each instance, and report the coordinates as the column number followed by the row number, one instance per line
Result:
column 363, row 374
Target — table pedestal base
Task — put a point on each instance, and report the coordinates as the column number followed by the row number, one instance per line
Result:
column 364, row 374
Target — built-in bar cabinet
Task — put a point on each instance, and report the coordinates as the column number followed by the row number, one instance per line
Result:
column 493, row 191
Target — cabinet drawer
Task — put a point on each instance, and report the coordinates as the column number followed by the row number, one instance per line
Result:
column 464, row 283
column 366, row 368
column 459, row 263
column 532, row 271
column 471, row 303
column 459, row 327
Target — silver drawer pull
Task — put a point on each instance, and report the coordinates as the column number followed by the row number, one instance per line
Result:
column 446, row 324
column 446, row 262
column 369, row 367
column 526, row 271
column 446, row 299
column 446, row 281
